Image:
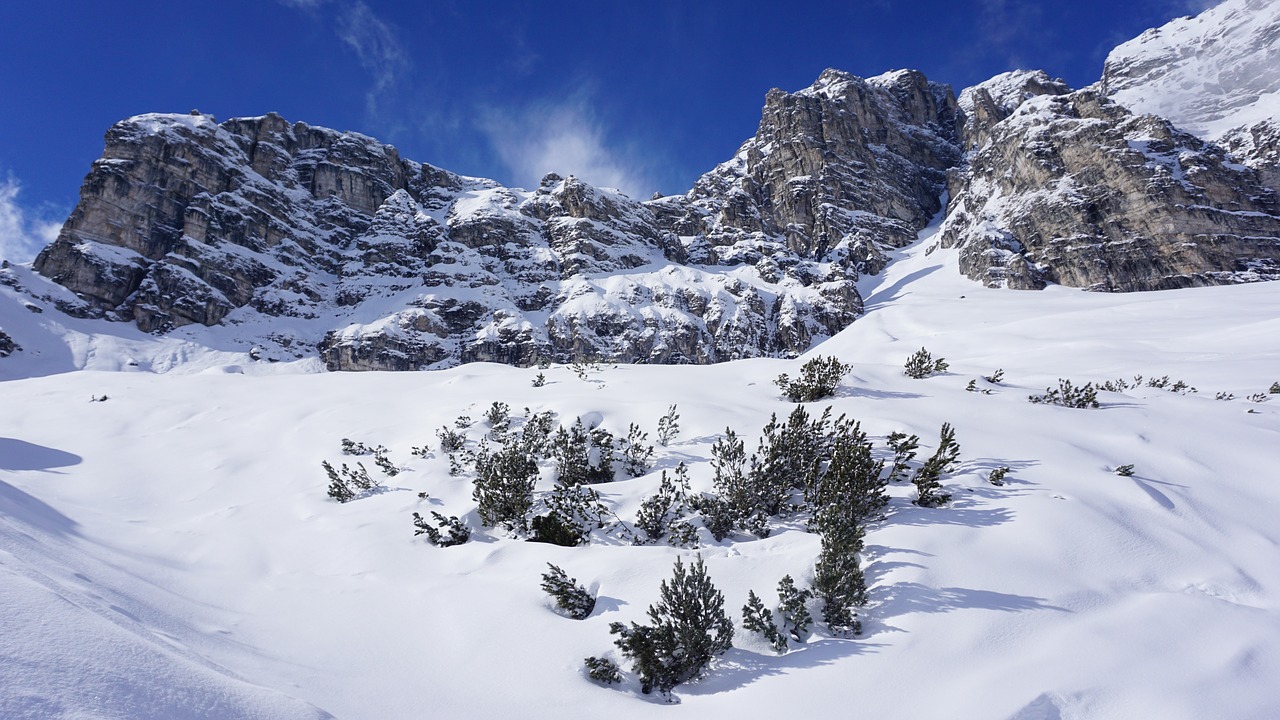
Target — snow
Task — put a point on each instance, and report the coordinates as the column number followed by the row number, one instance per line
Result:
column 170, row 552
column 1207, row 74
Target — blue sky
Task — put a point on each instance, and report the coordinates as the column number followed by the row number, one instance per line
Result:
column 640, row 95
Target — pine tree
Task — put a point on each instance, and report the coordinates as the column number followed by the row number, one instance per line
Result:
column 575, row 600
column 503, row 487
column 688, row 628
column 818, row 379
column 904, row 450
column 600, row 470
column 636, row 453
column 928, row 479
column 922, row 364
column 499, row 417
column 571, row 448
column 792, row 606
column 338, row 488
column 668, row 426
column 603, row 670
column 852, row 483
column 661, row 512
column 755, row 618
column 458, row 533
column 838, row 580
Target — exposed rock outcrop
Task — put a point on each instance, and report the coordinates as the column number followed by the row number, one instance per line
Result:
column 1076, row 190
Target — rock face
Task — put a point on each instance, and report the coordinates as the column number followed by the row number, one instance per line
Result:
column 384, row 263
column 845, row 169
column 317, row 241
column 1071, row 188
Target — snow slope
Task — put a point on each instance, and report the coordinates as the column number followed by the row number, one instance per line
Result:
column 170, row 552
column 1208, row 74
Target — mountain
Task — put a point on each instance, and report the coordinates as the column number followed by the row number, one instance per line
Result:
column 389, row 264
column 291, row 241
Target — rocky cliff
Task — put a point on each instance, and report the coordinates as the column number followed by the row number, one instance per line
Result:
column 1071, row 188
column 317, row 241
column 385, row 263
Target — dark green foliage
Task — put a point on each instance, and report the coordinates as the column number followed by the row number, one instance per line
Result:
column 1224, row 395
column 421, row 452
column 922, row 364
column 791, row 605
column 789, row 457
column 351, row 447
column 1274, row 389
column 451, row 443
column 571, row 449
column 972, row 386
column 555, row 530
column 539, row 380
column 851, row 490
column 462, row 422
column 904, row 450
column 575, row 600
column 582, row 456
column 499, row 418
column 660, row 514
column 838, row 580
column 339, row 489
column 718, row 516
column 603, row 670
column 668, row 426
column 756, row 618
column 458, row 533
column 928, row 479
column 636, row 452
column 384, row 463
column 1125, row 471
column 818, row 379
column 688, row 627
column 1068, row 395
column 503, row 487
column 600, row 469
column 995, row 377
column 535, row 435
column 997, row 476
column 344, row 483
column 575, row 510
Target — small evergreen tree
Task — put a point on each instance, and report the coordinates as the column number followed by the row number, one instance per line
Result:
column 600, row 469
column 660, row 514
column 603, row 670
column 852, row 484
column 995, row 377
column 1274, row 389
column 384, row 463
column 503, row 488
column 792, row 606
column 904, row 450
column 818, row 379
column 499, row 418
column 539, row 380
column 996, row 477
column 575, row 600
column 688, row 628
column 755, row 618
column 1068, row 395
column 1125, row 471
column 838, row 580
column 928, row 479
column 922, row 364
column 668, row 426
column 572, row 451
column 636, row 452
column 338, row 488
column 458, row 533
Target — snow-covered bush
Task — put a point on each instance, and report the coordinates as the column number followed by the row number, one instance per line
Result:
column 756, row 618
column 688, row 627
column 1068, row 395
column 922, row 364
column 457, row 532
column 603, row 670
column 818, row 379
column 575, row 600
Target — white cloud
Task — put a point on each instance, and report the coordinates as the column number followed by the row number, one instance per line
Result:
column 376, row 46
column 21, row 236
column 565, row 139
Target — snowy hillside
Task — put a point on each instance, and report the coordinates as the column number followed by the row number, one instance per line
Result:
column 170, row 552
column 1208, row 74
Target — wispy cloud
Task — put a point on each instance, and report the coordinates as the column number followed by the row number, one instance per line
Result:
column 565, row 138
column 378, row 49
column 21, row 234
column 372, row 39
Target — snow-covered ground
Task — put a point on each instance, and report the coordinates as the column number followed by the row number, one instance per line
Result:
column 170, row 552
